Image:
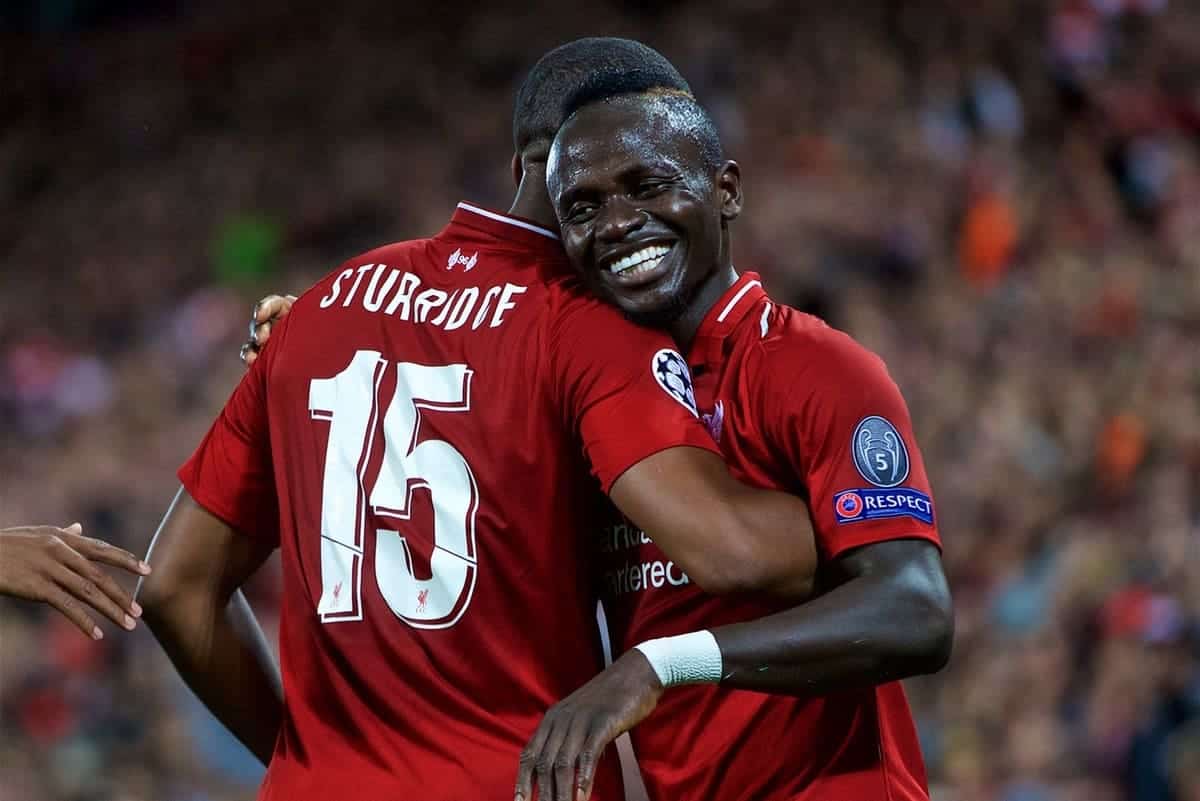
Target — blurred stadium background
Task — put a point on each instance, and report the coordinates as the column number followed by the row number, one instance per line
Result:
column 1001, row 197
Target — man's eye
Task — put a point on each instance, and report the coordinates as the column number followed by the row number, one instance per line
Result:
column 581, row 212
column 651, row 188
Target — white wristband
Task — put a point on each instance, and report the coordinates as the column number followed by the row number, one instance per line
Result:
column 693, row 658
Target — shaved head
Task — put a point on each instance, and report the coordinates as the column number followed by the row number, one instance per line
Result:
column 671, row 109
column 560, row 74
column 673, row 118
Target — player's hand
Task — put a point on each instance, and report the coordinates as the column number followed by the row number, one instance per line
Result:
column 267, row 312
column 561, row 758
column 58, row 566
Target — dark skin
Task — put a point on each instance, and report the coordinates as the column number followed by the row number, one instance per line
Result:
column 197, row 613
column 61, row 568
column 727, row 536
column 622, row 176
column 611, row 206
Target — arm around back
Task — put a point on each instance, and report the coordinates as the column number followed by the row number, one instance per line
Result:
column 727, row 536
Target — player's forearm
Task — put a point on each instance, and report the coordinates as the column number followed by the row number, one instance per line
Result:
column 727, row 537
column 760, row 545
column 881, row 625
column 780, row 547
column 221, row 653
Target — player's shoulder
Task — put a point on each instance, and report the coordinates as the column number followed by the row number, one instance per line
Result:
column 576, row 309
column 566, row 293
column 807, row 347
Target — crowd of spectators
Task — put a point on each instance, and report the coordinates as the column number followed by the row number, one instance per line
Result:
column 1001, row 197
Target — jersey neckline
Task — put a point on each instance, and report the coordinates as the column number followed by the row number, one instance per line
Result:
column 503, row 226
column 725, row 316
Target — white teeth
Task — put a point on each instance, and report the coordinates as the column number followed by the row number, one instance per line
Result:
column 640, row 261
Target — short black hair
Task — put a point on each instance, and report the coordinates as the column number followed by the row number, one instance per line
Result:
column 686, row 113
column 559, row 75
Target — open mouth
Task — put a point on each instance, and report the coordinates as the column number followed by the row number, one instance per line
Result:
column 641, row 266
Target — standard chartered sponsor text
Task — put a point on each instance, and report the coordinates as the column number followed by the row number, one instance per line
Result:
column 633, row 576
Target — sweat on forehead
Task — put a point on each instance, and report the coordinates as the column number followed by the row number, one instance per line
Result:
column 659, row 116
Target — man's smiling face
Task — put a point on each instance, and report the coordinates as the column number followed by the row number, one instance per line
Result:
column 642, row 203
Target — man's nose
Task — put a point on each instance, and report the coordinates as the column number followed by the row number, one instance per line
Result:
column 618, row 219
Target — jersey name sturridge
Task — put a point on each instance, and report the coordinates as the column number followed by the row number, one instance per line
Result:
column 397, row 293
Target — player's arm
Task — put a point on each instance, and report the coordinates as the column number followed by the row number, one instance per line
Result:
column 726, row 536
column 222, row 526
column 60, row 567
column 886, row 614
column 194, row 608
column 628, row 393
column 888, row 617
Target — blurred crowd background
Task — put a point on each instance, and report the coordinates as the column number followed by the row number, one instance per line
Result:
column 1001, row 197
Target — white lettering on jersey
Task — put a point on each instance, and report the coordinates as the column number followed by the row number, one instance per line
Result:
column 638, row 577
column 506, row 302
column 405, row 298
column 375, row 295
column 350, row 296
column 336, row 289
column 635, row 576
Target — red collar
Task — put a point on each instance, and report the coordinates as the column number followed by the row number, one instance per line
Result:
column 505, row 227
column 724, row 316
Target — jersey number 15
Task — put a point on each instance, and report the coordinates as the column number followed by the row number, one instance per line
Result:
column 350, row 509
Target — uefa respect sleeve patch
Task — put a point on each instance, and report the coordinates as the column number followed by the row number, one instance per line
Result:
column 852, row 506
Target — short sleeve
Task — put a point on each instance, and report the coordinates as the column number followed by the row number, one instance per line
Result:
column 231, row 473
column 845, row 427
column 624, row 389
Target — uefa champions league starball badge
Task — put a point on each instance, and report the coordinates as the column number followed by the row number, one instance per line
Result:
column 671, row 373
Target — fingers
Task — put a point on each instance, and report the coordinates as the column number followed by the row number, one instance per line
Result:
column 567, row 758
column 260, row 333
column 273, row 307
column 73, row 611
column 265, row 309
column 90, row 585
column 248, row 353
column 544, row 764
column 101, row 551
column 531, row 761
column 593, row 747
column 266, row 313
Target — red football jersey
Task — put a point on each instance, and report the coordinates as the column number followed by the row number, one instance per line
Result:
column 425, row 437
column 799, row 407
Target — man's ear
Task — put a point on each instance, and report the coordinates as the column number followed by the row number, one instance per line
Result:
column 729, row 187
column 518, row 172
